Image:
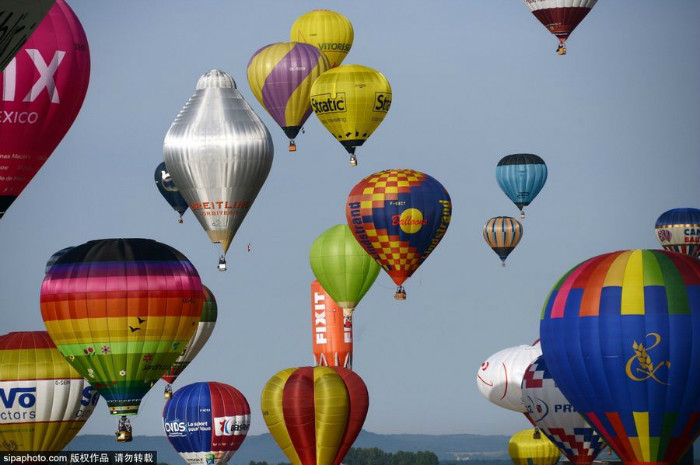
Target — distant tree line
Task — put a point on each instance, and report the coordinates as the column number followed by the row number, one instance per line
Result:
column 376, row 456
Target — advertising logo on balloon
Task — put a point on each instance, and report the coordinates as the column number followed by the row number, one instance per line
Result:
column 410, row 221
column 382, row 101
column 18, row 402
column 320, row 326
column 237, row 425
column 640, row 366
column 692, row 235
column 537, row 408
column 175, row 428
column 327, row 103
column 664, row 235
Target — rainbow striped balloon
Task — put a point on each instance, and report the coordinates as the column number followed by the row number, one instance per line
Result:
column 46, row 402
column 280, row 76
column 121, row 311
column 621, row 337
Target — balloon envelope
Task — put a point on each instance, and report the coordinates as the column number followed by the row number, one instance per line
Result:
column 219, row 154
column 121, row 311
column 280, row 76
column 315, row 413
column 499, row 377
column 525, row 448
column 206, row 422
column 521, row 177
column 331, row 330
column 678, row 230
column 560, row 17
column 556, row 417
column 330, row 32
column 43, row 88
column 399, row 217
column 342, row 266
column 19, row 19
column 503, row 234
column 46, row 401
column 621, row 337
column 196, row 343
column 166, row 187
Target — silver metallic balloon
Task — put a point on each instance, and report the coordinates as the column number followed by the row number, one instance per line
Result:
column 219, row 154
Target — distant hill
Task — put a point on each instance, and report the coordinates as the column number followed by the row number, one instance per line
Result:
column 263, row 448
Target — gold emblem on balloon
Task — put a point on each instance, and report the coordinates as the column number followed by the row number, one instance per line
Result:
column 645, row 368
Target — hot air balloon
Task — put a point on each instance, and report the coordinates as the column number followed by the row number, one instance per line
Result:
column 399, row 217
column 351, row 101
column 46, row 402
column 43, row 88
column 621, row 336
column 342, row 266
column 560, row 17
column 678, row 230
column 331, row 32
column 331, row 330
column 529, row 448
column 219, row 154
column 280, row 76
column 169, row 191
column 54, row 258
column 499, row 377
column 315, row 413
column 19, row 18
column 521, row 176
column 557, row 418
column 204, row 329
column 206, row 423
column 502, row 234
column 121, row 311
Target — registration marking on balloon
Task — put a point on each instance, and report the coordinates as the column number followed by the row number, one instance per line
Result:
column 645, row 366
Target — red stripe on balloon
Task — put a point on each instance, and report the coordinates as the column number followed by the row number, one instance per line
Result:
column 299, row 413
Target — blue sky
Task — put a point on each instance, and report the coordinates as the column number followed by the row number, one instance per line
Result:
column 616, row 121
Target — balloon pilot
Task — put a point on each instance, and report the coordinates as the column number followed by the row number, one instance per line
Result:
column 124, row 430
column 168, row 393
column 292, row 145
column 222, row 263
column 400, row 293
column 561, row 49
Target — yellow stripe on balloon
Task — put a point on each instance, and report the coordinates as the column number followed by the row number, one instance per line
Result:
column 641, row 424
column 298, row 103
column 632, row 302
column 35, row 364
column 331, row 402
column 87, row 331
column 273, row 414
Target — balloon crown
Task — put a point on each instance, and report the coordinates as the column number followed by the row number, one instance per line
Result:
column 216, row 79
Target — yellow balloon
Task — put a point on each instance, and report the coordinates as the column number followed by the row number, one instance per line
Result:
column 331, row 32
column 526, row 448
column 351, row 101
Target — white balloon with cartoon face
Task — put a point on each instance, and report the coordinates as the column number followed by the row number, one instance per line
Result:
column 499, row 377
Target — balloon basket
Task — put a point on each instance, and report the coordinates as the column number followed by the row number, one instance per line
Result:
column 124, row 436
column 400, row 293
column 292, row 146
column 561, row 50
column 222, row 264
column 522, row 214
column 180, row 220
column 168, row 393
column 353, row 160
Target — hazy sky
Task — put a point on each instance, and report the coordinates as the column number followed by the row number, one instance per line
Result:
column 617, row 121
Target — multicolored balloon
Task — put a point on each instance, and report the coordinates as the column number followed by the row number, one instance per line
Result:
column 43, row 88
column 351, row 101
column 280, row 76
column 19, row 19
column 206, row 422
column 521, row 177
column 121, row 311
column 327, row 30
column 678, row 230
column 399, row 217
column 54, row 258
column 557, row 418
column 196, row 343
column 169, row 191
column 46, row 402
column 331, row 330
column 560, row 17
column 315, row 413
column 527, row 447
column 499, row 377
column 621, row 336
column 342, row 266
column 219, row 154
column 502, row 234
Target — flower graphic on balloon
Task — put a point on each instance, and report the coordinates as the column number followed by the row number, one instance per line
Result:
column 122, row 373
column 106, row 350
column 89, row 351
column 147, row 358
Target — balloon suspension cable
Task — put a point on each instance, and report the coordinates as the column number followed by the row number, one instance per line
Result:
column 400, row 293
column 536, row 434
column 292, row 145
column 222, row 263
column 522, row 214
column 353, row 160
column 168, row 393
column 124, row 430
